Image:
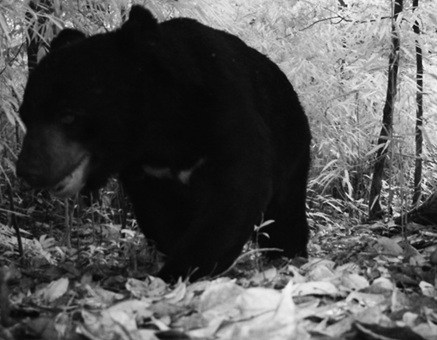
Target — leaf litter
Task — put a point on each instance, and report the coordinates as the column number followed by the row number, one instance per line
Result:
column 363, row 283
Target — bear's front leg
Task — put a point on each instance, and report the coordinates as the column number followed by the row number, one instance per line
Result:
column 227, row 201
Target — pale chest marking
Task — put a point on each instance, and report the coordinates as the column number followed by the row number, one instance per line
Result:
column 182, row 176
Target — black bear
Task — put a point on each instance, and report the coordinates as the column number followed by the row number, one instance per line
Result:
column 206, row 135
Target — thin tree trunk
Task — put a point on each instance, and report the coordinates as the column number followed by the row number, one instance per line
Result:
column 375, row 209
column 419, row 113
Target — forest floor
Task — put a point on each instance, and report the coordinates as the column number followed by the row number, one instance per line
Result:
column 371, row 281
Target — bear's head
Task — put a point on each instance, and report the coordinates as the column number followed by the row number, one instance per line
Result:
column 84, row 106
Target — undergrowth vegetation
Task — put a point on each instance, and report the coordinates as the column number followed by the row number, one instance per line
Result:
column 336, row 58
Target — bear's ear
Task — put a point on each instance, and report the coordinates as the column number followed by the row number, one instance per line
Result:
column 66, row 37
column 141, row 27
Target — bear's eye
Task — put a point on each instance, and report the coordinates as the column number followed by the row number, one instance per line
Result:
column 69, row 117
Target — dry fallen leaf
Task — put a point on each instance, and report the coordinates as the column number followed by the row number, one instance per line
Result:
column 53, row 291
column 389, row 246
column 315, row 288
